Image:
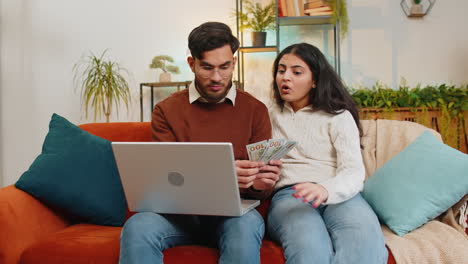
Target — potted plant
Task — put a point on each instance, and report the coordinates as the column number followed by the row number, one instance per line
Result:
column 102, row 85
column 416, row 8
column 161, row 62
column 259, row 18
column 443, row 108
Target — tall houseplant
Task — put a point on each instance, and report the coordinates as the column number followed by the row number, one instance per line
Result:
column 162, row 62
column 258, row 18
column 102, row 84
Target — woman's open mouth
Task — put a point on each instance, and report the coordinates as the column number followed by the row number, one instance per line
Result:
column 285, row 89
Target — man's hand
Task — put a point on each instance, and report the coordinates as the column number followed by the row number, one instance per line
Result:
column 268, row 175
column 247, row 172
column 308, row 191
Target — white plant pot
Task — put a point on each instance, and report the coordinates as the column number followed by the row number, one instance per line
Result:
column 165, row 77
column 416, row 9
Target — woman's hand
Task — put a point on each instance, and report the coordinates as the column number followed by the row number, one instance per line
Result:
column 308, row 191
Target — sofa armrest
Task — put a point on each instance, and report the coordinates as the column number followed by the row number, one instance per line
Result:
column 23, row 221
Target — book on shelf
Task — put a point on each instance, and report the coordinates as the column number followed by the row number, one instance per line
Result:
column 301, row 7
column 280, row 9
column 292, row 7
column 318, row 9
column 310, row 12
column 315, row 3
column 284, row 7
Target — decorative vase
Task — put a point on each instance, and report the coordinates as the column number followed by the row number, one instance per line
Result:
column 165, row 77
column 258, row 39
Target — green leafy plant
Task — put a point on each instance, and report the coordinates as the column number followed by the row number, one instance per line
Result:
column 451, row 101
column 381, row 96
column 257, row 17
column 340, row 13
column 102, row 85
column 162, row 62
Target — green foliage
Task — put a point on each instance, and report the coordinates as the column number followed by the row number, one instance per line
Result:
column 453, row 98
column 257, row 17
column 340, row 12
column 451, row 101
column 161, row 62
column 102, row 84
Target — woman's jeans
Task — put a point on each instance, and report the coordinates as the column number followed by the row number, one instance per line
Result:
column 348, row 232
column 146, row 235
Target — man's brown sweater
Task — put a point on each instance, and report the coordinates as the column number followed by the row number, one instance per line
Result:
column 247, row 121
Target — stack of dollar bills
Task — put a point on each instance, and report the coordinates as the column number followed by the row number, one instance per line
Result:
column 272, row 149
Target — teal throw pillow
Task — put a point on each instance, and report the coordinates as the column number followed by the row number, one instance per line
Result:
column 418, row 184
column 76, row 172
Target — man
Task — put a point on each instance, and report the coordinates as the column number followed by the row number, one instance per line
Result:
column 209, row 110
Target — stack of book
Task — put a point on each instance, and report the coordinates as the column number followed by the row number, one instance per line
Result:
column 291, row 8
column 317, row 8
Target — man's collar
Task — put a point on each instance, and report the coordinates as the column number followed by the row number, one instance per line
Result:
column 194, row 95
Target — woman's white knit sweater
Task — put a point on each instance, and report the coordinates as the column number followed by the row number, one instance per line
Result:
column 327, row 152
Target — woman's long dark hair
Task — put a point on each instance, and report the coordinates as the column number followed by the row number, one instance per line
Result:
column 330, row 94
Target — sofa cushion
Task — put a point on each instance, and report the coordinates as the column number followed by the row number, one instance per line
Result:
column 85, row 243
column 418, row 184
column 77, row 244
column 76, row 172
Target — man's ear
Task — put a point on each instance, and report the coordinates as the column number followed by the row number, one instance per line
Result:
column 191, row 63
column 235, row 60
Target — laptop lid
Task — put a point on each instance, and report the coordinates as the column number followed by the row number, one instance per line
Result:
column 180, row 178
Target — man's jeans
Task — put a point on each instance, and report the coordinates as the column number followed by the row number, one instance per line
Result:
column 146, row 235
column 344, row 233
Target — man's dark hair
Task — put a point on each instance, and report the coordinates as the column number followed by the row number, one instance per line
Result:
column 209, row 36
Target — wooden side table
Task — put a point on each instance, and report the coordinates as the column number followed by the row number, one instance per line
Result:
column 158, row 85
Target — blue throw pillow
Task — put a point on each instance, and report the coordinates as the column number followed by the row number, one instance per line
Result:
column 418, row 184
column 76, row 172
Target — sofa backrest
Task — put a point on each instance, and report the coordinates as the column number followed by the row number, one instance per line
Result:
column 382, row 139
column 120, row 131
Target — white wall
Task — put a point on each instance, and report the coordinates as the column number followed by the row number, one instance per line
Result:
column 41, row 40
column 384, row 45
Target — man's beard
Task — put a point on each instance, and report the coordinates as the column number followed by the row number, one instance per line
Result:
column 212, row 98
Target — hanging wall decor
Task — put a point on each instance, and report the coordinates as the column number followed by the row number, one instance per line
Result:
column 416, row 8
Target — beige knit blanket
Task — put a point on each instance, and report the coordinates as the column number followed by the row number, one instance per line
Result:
column 438, row 241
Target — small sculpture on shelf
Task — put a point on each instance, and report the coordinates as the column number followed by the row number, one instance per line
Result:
column 161, row 62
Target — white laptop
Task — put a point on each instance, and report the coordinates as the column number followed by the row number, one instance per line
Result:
column 180, row 178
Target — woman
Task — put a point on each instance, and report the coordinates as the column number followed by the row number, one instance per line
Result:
column 317, row 213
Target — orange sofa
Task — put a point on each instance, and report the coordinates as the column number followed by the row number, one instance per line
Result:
column 32, row 233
